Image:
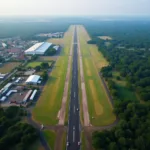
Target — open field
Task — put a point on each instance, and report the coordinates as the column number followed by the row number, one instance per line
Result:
column 64, row 140
column 83, row 147
column 105, row 37
column 36, row 63
column 123, row 91
column 36, row 146
column 58, row 41
column 6, row 68
column 50, row 137
column 98, row 103
column 49, row 103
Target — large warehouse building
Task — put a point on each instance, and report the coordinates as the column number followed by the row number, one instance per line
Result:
column 33, row 79
column 38, row 48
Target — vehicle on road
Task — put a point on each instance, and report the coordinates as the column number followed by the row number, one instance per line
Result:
column 79, row 143
column 77, row 109
column 73, row 127
column 42, row 126
column 67, row 144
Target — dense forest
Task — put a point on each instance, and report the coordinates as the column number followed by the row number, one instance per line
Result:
column 133, row 64
column 128, row 53
column 27, row 29
column 14, row 134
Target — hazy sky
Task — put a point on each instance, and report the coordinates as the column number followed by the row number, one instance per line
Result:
column 74, row 7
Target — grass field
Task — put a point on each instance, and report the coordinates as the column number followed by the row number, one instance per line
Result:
column 36, row 146
column 50, row 137
column 58, row 41
column 64, row 140
column 98, row 103
column 6, row 68
column 123, row 91
column 49, row 103
column 83, row 146
column 36, row 63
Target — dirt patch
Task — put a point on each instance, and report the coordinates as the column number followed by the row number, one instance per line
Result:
column 7, row 67
column 47, row 58
column 98, row 107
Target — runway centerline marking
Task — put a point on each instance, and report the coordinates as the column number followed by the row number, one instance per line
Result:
column 73, row 136
column 74, row 109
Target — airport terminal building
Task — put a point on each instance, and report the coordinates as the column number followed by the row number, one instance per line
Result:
column 38, row 48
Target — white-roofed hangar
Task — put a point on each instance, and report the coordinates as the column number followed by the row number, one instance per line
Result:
column 38, row 48
column 33, row 79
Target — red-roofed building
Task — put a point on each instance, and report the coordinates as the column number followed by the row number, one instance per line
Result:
column 14, row 50
column 21, row 56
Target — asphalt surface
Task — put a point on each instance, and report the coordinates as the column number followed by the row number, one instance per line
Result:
column 73, row 136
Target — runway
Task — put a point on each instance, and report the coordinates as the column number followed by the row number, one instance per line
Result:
column 73, row 135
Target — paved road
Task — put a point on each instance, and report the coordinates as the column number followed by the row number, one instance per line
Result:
column 73, row 136
column 8, row 76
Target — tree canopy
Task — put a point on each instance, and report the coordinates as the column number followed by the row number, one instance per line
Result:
column 13, row 133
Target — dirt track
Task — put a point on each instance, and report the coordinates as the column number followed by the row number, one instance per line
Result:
column 83, row 90
column 62, row 111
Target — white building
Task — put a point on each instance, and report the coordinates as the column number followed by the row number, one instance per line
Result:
column 33, row 94
column 27, row 96
column 2, row 76
column 56, row 47
column 4, row 45
column 33, row 79
column 38, row 48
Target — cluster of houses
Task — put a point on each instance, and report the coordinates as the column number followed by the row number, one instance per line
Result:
column 51, row 35
column 9, row 89
column 13, row 48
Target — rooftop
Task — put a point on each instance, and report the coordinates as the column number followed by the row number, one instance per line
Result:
column 33, row 79
column 34, row 47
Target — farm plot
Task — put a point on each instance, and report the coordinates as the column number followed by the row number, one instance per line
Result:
column 100, row 108
column 8, row 67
